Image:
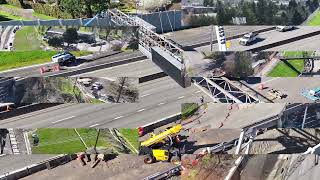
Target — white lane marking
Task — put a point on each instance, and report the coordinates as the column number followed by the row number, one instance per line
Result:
column 140, row 110
column 180, row 97
column 119, row 117
column 63, row 119
column 267, row 81
column 197, row 92
column 161, row 104
column 94, row 125
column 145, row 95
column 107, row 78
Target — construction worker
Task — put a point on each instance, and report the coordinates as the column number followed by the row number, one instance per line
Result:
column 80, row 157
column 202, row 99
column 98, row 158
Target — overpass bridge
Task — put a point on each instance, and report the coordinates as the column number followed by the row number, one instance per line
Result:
column 164, row 53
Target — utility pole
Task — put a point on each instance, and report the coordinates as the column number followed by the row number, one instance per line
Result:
column 211, row 38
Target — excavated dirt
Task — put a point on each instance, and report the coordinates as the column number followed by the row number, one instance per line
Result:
column 123, row 167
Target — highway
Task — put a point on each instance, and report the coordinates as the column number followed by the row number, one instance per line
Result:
column 34, row 71
column 135, row 69
column 10, row 163
column 158, row 99
column 270, row 37
column 202, row 35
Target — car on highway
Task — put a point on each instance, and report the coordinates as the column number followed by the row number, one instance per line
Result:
column 284, row 28
column 63, row 57
column 248, row 38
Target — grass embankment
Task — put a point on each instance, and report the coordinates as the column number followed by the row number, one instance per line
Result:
column 132, row 136
column 315, row 21
column 11, row 60
column 283, row 70
column 27, row 39
column 4, row 16
column 63, row 141
column 68, row 87
column 188, row 109
column 40, row 16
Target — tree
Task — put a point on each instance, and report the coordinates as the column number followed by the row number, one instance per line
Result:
column 55, row 42
column 73, row 7
column 221, row 13
column 296, row 18
column 70, row 36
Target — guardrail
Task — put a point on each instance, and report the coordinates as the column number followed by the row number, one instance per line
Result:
column 165, row 174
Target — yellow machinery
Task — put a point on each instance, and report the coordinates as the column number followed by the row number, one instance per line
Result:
column 162, row 147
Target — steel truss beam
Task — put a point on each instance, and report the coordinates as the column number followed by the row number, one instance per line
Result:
column 223, row 90
column 147, row 38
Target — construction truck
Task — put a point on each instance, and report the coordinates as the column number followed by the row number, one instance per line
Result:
column 164, row 146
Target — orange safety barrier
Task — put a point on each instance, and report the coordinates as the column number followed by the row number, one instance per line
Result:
column 140, row 131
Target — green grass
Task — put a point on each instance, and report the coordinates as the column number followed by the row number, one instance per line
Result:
column 315, row 21
column 27, row 39
column 11, row 60
column 42, row 16
column 65, row 141
column 95, row 101
column 93, row 133
column 283, row 70
column 188, row 109
column 4, row 16
column 68, row 87
column 132, row 136
column 10, row 6
column 57, row 141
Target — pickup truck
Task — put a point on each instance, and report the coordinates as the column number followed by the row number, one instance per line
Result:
column 248, row 38
column 63, row 57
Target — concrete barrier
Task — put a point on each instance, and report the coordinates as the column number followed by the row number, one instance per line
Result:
column 152, row 77
column 31, row 169
column 25, row 109
column 170, row 66
column 167, row 120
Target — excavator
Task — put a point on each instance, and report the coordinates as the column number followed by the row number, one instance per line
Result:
column 164, row 146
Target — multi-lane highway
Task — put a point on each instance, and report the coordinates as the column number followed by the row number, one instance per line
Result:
column 158, row 99
column 270, row 37
column 110, row 59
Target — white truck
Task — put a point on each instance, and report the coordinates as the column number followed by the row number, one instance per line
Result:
column 63, row 57
column 248, row 38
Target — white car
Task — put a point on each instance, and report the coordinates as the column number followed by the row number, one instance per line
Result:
column 247, row 39
column 96, row 86
column 63, row 57
column 284, row 28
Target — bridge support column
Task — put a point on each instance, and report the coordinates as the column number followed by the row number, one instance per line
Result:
column 240, row 141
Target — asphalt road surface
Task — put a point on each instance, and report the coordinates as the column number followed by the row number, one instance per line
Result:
column 135, row 69
column 290, row 86
column 10, row 163
column 203, row 34
column 220, row 115
column 158, row 99
column 35, row 70
column 270, row 37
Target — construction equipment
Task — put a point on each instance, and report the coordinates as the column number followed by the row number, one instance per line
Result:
column 163, row 147
column 276, row 94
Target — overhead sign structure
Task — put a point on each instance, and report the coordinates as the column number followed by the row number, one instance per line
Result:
column 221, row 38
